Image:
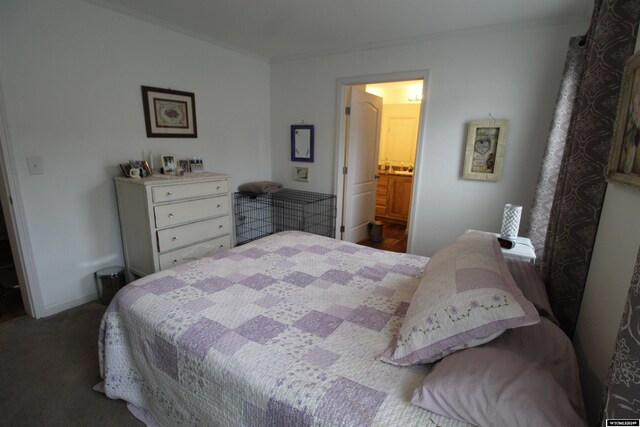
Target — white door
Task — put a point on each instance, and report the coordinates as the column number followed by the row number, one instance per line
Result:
column 361, row 160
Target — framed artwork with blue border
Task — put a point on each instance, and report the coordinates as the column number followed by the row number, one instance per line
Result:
column 302, row 143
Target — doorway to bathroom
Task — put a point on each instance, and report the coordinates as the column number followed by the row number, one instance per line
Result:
column 379, row 134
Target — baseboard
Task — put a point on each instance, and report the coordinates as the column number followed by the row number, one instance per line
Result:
column 66, row 305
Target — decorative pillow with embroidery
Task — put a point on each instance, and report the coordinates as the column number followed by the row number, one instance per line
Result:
column 466, row 298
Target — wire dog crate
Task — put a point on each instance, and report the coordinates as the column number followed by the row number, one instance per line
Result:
column 258, row 215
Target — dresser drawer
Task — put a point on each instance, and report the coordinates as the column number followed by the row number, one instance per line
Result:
column 185, row 235
column 180, row 213
column 168, row 193
column 190, row 253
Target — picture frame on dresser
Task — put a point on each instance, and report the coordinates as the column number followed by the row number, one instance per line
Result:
column 184, row 165
column 624, row 158
column 196, row 165
column 126, row 168
column 168, row 164
column 147, row 167
column 169, row 113
column 484, row 153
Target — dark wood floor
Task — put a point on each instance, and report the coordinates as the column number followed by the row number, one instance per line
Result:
column 394, row 238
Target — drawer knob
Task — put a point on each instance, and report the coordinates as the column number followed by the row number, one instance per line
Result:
column 170, row 215
column 169, row 194
column 175, row 261
column 221, row 246
column 219, row 206
column 218, row 188
column 220, row 226
column 174, row 238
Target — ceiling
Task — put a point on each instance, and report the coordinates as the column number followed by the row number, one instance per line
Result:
column 277, row 30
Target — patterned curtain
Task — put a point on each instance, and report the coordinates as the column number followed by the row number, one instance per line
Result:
column 622, row 390
column 577, row 203
column 548, row 178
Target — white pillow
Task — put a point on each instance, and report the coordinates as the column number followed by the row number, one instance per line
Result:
column 466, row 297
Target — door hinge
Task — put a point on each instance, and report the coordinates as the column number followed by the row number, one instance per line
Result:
column 10, row 200
column 347, row 111
column 344, row 170
column 342, row 228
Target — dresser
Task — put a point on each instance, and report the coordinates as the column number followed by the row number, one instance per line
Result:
column 166, row 221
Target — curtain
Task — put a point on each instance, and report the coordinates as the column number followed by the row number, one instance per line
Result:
column 580, row 189
column 622, row 389
column 548, row 177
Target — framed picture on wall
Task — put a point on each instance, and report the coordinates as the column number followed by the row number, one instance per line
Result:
column 624, row 158
column 169, row 113
column 484, row 152
column 301, row 174
column 302, row 143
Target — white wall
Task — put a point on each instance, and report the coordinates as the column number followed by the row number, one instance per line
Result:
column 612, row 263
column 509, row 74
column 610, row 272
column 71, row 74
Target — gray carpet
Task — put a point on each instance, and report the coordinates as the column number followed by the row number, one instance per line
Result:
column 48, row 368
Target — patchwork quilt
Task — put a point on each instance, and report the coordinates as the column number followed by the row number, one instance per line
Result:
column 283, row 331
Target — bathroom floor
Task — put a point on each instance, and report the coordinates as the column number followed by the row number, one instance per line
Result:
column 394, row 238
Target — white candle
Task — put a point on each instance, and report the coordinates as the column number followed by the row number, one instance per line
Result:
column 510, row 221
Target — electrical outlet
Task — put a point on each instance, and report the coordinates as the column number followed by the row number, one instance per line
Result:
column 35, row 165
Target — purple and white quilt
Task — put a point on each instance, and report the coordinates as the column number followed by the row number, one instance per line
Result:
column 283, row 331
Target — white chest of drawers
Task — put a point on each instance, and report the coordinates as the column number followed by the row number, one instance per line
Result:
column 166, row 221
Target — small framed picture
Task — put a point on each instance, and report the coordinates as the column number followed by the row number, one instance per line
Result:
column 126, row 167
column 302, row 143
column 147, row 168
column 196, row 165
column 301, row 174
column 484, row 155
column 168, row 164
column 184, row 165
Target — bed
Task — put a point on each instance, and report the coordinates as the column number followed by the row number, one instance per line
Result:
column 293, row 329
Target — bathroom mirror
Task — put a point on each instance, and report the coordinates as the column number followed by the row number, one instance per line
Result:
column 302, row 143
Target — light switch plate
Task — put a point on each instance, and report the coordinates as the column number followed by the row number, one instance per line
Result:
column 35, row 165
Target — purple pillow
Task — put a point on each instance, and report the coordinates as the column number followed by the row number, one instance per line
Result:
column 528, row 376
column 531, row 285
column 465, row 298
